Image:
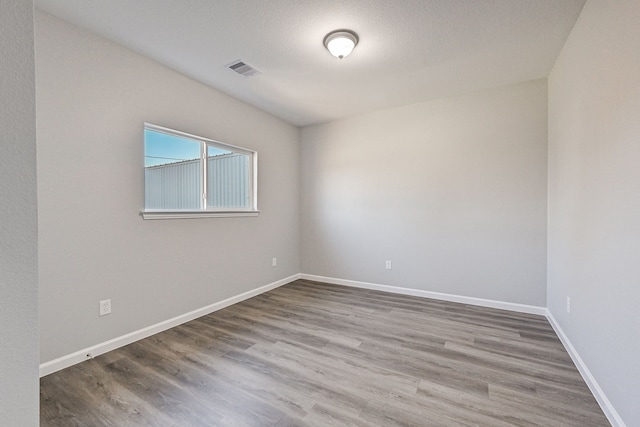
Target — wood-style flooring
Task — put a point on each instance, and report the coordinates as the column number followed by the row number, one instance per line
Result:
column 314, row 354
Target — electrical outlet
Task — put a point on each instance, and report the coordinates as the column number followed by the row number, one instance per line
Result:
column 388, row 265
column 105, row 307
column 568, row 305
column 274, row 262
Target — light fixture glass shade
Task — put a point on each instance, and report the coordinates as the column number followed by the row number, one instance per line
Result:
column 341, row 43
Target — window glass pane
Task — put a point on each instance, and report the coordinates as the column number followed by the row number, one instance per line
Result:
column 228, row 177
column 184, row 172
column 172, row 172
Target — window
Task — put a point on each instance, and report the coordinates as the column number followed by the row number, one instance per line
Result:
column 187, row 176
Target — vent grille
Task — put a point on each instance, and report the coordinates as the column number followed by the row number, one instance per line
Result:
column 243, row 69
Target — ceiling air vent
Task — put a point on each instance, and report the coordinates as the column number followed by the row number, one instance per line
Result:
column 243, row 69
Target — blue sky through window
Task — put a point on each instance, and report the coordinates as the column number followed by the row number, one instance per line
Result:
column 161, row 148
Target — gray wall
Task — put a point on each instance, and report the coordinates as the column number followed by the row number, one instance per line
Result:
column 594, row 197
column 93, row 100
column 19, row 400
column 452, row 191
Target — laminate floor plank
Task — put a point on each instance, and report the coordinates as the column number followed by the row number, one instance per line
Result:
column 314, row 354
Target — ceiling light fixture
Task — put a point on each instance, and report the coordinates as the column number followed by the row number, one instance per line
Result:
column 340, row 42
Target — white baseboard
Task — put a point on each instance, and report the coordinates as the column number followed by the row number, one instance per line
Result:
column 520, row 308
column 608, row 409
column 82, row 355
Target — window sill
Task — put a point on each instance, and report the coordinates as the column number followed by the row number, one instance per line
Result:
column 195, row 214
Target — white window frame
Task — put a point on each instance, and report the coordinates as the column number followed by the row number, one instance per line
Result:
column 204, row 211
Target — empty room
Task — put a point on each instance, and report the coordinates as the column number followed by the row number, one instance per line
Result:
column 320, row 213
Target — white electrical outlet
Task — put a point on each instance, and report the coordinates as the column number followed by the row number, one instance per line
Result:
column 274, row 262
column 568, row 305
column 388, row 265
column 105, row 307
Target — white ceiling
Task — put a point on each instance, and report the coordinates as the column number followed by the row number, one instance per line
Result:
column 409, row 50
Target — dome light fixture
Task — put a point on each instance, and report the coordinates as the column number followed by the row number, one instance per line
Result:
column 340, row 42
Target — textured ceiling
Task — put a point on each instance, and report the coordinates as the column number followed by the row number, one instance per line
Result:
column 409, row 50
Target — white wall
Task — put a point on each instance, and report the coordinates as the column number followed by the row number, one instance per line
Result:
column 594, row 197
column 93, row 97
column 19, row 386
column 452, row 191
